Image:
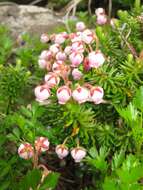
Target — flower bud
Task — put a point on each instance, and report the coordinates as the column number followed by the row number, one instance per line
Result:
column 63, row 94
column 96, row 59
column 54, row 48
column 96, row 94
column 42, row 63
column 76, row 59
column 76, row 74
column 78, row 47
column 78, row 154
column 99, row 11
column 80, row 94
column 44, row 38
column 56, row 68
column 41, row 144
column 87, row 36
column 61, row 151
column 61, row 56
column 60, row 38
column 101, row 19
column 45, row 54
column 76, row 37
column 80, row 26
column 68, row 50
column 25, row 151
column 52, row 79
column 42, row 93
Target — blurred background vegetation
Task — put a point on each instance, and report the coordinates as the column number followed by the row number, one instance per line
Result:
column 58, row 4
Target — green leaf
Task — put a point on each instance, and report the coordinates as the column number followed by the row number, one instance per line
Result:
column 50, row 181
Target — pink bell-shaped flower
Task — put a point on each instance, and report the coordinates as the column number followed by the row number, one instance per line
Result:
column 80, row 26
column 99, row 11
column 96, row 59
column 78, row 154
column 61, row 151
column 54, row 48
column 78, row 47
column 44, row 38
column 101, row 19
column 52, row 79
column 42, row 93
column 76, row 59
column 63, row 94
column 42, row 63
column 68, row 50
column 56, row 68
column 87, row 36
column 76, row 74
column 61, row 56
column 60, row 38
column 96, row 94
column 80, row 94
column 45, row 54
column 25, row 151
column 42, row 144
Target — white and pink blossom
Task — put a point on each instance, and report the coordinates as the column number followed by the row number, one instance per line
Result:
column 80, row 26
column 41, row 144
column 60, row 38
column 87, row 36
column 78, row 47
column 76, row 59
column 101, row 19
column 99, row 11
column 62, row 151
column 80, row 94
column 63, row 94
column 55, row 48
column 76, row 74
column 78, row 154
column 56, row 68
column 26, row 151
column 45, row 54
column 51, row 79
column 96, row 94
column 95, row 59
column 68, row 50
column 61, row 56
column 44, row 38
column 42, row 93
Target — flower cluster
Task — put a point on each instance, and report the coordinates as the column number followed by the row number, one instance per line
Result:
column 27, row 151
column 67, row 60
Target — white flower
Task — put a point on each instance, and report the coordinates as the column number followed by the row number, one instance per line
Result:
column 25, row 151
column 78, row 154
column 76, row 74
column 52, row 79
column 61, row 56
column 99, row 11
column 63, row 94
column 95, row 59
column 96, row 94
column 76, row 59
column 42, row 144
column 80, row 94
column 61, row 151
column 54, row 48
column 87, row 36
column 80, row 26
column 42, row 93
column 44, row 38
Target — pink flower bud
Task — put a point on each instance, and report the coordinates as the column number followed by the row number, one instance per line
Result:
column 63, row 94
column 60, row 38
column 80, row 94
column 25, row 151
column 61, row 151
column 47, row 55
column 80, row 26
column 52, row 79
column 87, row 36
column 42, row 63
column 78, row 154
column 86, row 65
column 68, row 50
column 44, row 38
column 78, row 47
column 96, row 59
column 42, row 144
column 56, row 68
column 96, row 94
column 42, row 93
column 77, row 74
column 101, row 19
column 61, row 56
column 99, row 11
column 76, row 37
column 76, row 59
column 54, row 48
